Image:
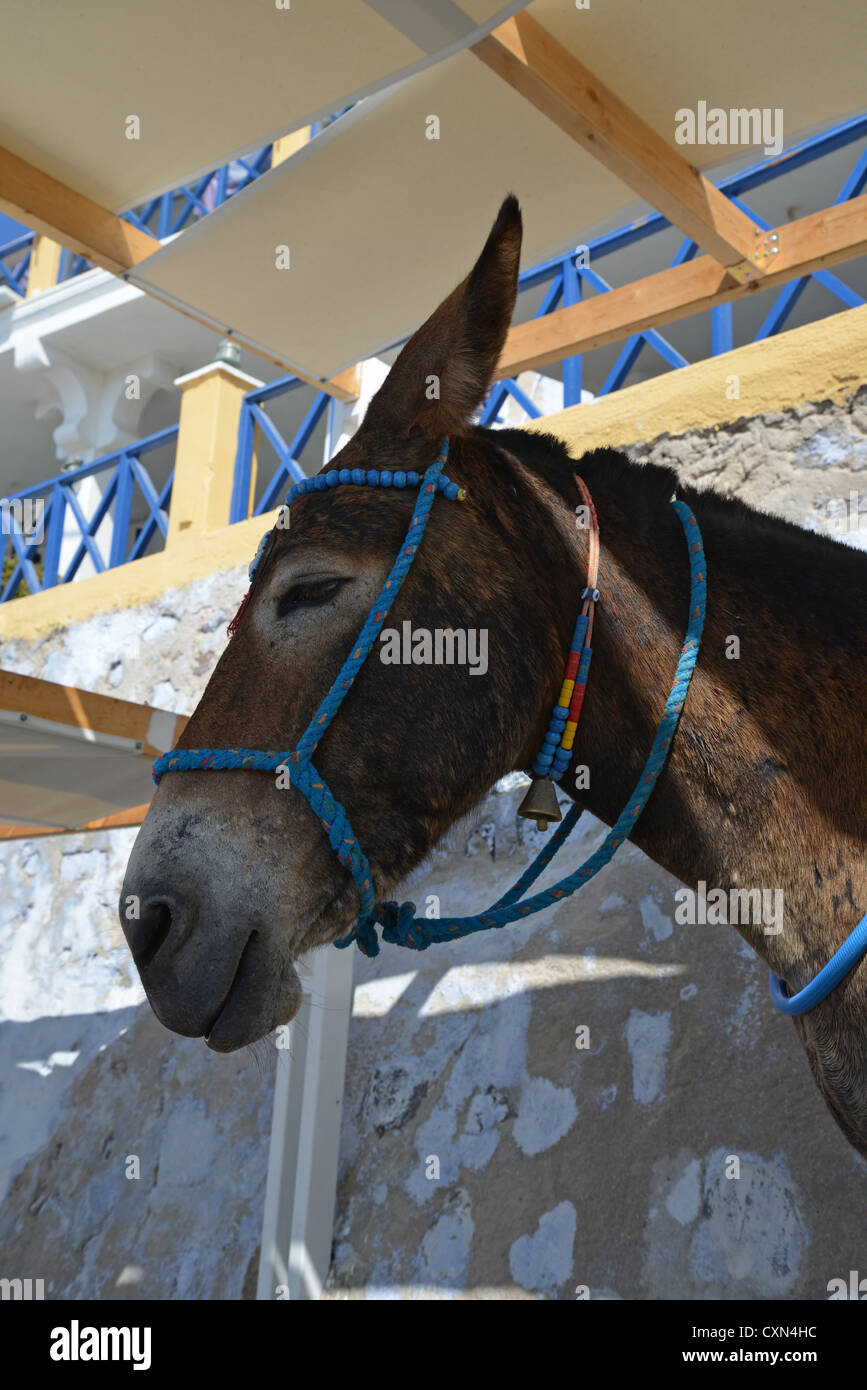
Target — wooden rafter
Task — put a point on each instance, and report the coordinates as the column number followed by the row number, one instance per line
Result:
column 531, row 60
column 83, row 709
column 30, row 196
column 54, row 210
column 812, row 243
column 134, row 816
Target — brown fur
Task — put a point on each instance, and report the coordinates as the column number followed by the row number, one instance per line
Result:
column 764, row 786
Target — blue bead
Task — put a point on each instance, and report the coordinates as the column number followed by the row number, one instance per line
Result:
column 412, row 479
column 358, row 476
column 451, row 491
column 333, row 478
column 319, row 483
column 400, row 480
column 385, row 477
column 345, row 475
column 551, row 741
column 373, row 477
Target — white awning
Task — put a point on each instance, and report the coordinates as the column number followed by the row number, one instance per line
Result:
column 381, row 221
column 206, row 80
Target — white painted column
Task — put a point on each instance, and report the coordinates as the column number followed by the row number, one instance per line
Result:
column 298, row 1219
column 345, row 416
column 99, row 412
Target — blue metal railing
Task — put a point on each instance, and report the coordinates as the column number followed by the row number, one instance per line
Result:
column 287, row 469
column 17, row 253
column 120, row 472
column 565, row 275
column 561, row 278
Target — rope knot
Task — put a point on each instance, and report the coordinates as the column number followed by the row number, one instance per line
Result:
column 398, row 925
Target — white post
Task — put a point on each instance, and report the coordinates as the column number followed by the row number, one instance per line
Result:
column 298, row 1219
column 346, row 416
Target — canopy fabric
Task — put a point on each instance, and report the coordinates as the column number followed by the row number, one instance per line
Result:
column 381, row 221
column 206, row 81
column 75, row 766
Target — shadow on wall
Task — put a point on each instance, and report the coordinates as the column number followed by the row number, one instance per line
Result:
column 136, row 1166
column 604, row 1105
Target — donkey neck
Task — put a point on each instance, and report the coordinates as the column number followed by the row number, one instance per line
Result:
column 763, row 788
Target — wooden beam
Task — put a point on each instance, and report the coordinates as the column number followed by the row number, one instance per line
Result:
column 82, row 709
column 348, row 381
column 531, row 60
column 44, row 269
column 41, row 202
column 798, row 248
column 286, row 145
column 134, row 816
column 56, row 211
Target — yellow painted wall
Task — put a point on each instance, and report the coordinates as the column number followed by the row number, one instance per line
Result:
column 821, row 361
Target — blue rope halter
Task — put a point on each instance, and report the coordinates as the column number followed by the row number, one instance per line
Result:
column 400, row 925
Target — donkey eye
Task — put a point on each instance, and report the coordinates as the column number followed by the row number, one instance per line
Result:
column 308, row 593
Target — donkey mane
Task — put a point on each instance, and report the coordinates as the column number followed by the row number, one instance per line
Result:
column 807, row 567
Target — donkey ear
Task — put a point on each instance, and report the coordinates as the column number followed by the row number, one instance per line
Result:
column 443, row 372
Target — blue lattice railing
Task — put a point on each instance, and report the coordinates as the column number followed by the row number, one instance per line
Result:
column 564, row 277
column 559, row 281
column 256, row 429
column 64, row 537
column 15, row 262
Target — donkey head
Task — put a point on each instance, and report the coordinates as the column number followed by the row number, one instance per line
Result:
column 234, row 875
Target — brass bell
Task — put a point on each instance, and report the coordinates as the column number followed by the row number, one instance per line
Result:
column 540, row 803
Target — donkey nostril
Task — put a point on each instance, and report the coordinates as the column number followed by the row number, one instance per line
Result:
column 148, row 933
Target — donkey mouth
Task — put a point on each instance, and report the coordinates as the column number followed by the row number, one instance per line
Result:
column 248, row 1011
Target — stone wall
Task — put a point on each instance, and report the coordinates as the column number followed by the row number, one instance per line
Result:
column 483, row 1153
column 808, row 464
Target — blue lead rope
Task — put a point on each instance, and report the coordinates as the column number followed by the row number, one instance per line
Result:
column 828, row 978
